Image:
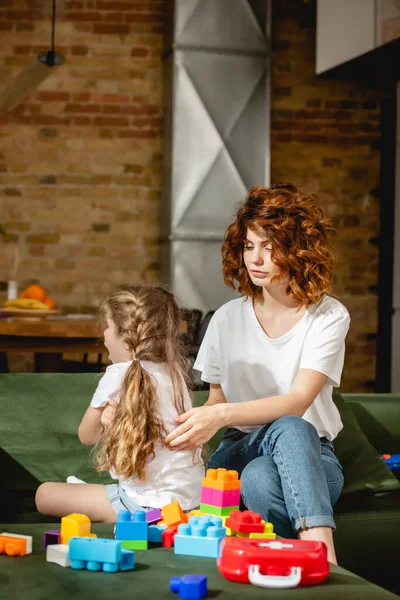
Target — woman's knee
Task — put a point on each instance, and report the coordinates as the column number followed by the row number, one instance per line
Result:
column 291, row 425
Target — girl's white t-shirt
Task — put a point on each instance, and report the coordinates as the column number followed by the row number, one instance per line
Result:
column 237, row 354
column 170, row 475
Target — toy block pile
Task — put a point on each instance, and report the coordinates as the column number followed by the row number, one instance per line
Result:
column 81, row 549
column 136, row 530
column 220, row 492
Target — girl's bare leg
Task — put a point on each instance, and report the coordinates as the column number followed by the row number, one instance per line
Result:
column 61, row 499
column 321, row 534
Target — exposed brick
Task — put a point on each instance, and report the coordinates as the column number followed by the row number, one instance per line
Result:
column 139, row 52
column 101, row 227
column 111, row 121
column 111, row 28
column 48, row 132
column 84, row 15
column 25, row 26
column 79, row 50
column 48, row 179
column 82, row 108
column 22, row 49
column 123, row 6
column 112, row 98
column 43, row 238
column 53, row 96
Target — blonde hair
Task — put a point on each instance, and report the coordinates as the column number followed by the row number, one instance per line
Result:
column 147, row 320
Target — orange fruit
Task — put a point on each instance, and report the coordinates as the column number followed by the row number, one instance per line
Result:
column 35, row 292
column 50, row 302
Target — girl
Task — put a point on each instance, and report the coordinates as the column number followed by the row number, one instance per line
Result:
column 132, row 411
column 272, row 358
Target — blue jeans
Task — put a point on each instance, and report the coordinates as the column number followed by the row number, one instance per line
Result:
column 289, row 474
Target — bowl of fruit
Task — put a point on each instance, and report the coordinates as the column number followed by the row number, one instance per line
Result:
column 33, row 301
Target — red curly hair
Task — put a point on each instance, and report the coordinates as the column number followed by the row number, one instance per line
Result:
column 295, row 225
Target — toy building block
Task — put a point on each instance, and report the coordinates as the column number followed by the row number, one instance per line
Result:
column 132, row 526
column 189, row 587
column 52, row 537
column 135, row 544
column 221, row 479
column 58, row 553
column 245, row 522
column 75, row 525
column 202, row 536
column 168, row 536
column 222, row 498
column 195, row 513
column 172, row 514
column 392, row 461
column 15, row 544
column 155, row 533
column 228, row 530
column 259, row 536
column 153, row 516
column 209, row 509
column 100, row 554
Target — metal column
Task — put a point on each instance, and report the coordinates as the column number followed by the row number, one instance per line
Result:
column 216, row 136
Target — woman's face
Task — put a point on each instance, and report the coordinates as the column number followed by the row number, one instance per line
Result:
column 257, row 257
column 117, row 348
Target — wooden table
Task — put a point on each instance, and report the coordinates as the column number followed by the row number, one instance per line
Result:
column 49, row 339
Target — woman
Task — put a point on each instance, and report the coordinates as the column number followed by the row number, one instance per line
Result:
column 272, row 358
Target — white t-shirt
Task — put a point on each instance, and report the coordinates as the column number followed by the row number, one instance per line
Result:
column 170, row 475
column 237, row 354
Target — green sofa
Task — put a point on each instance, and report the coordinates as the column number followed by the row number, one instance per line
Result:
column 40, row 414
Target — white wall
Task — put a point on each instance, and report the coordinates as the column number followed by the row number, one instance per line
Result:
column 345, row 29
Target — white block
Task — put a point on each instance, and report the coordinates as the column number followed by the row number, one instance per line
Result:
column 28, row 539
column 58, row 553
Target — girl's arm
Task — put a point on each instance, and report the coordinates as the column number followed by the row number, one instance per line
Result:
column 91, row 429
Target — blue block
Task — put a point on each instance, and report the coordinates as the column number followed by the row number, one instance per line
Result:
column 131, row 527
column 95, row 554
column 200, row 537
column 189, row 587
column 155, row 533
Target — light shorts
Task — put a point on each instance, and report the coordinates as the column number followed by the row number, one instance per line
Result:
column 120, row 500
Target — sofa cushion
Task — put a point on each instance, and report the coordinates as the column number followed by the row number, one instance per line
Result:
column 363, row 468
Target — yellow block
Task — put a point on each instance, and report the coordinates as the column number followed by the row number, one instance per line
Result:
column 229, row 531
column 75, row 525
column 195, row 513
column 262, row 536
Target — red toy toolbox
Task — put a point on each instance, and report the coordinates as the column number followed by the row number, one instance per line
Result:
column 273, row 564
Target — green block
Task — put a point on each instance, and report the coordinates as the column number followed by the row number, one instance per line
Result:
column 217, row 510
column 134, row 544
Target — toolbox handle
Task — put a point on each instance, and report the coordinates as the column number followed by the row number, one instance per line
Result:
column 274, row 581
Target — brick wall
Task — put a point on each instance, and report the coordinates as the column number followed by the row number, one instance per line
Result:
column 325, row 138
column 80, row 158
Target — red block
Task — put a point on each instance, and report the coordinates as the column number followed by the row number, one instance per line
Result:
column 245, row 522
column 168, row 536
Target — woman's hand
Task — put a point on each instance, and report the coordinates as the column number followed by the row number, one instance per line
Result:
column 198, row 425
column 109, row 412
